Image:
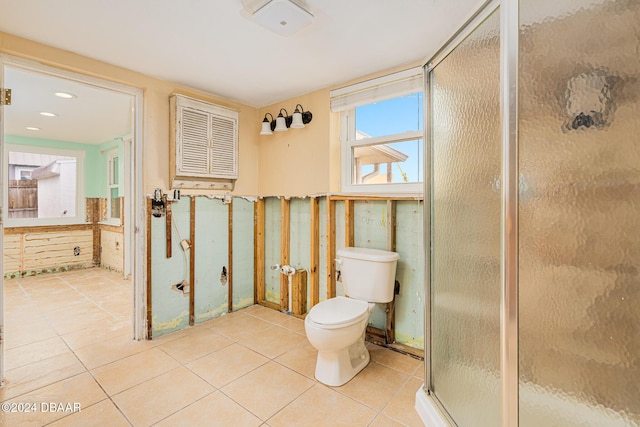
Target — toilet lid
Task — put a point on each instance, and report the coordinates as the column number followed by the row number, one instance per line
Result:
column 338, row 311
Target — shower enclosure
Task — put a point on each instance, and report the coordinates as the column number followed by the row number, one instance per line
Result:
column 533, row 231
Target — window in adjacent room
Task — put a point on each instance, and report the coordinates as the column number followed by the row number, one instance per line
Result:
column 382, row 133
column 44, row 186
column 113, row 187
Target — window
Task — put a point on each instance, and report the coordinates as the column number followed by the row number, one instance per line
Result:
column 44, row 186
column 113, row 187
column 382, row 134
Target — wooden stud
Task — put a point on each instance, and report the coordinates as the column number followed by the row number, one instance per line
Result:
column 331, row 247
column 149, row 287
column 299, row 290
column 390, row 322
column 47, row 228
column 192, row 261
column 258, row 252
column 93, row 205
column 284, row 252
column 314, row 257
column 168, row 219
column 348, row 223
column 230, row 262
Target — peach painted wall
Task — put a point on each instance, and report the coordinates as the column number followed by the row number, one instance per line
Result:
column 156, row 111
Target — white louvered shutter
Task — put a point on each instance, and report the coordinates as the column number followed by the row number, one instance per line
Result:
column 194, row 145
column 206, row 140
column 224, row 147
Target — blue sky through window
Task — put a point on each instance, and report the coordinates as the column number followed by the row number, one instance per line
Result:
column 396, row 116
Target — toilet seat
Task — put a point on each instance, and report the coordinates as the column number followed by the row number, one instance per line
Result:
column 338, row 312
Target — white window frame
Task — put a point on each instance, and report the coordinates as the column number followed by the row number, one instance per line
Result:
column 347, row 99
column 81, row 209
column 111, row 154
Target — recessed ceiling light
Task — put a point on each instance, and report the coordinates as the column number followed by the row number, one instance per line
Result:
column 65, row 95
column 47, row 114
column 32, row 128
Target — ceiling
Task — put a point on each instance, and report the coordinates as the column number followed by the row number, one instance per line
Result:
column 214, row 46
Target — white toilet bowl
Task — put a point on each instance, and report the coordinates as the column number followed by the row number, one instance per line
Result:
column 336, row 328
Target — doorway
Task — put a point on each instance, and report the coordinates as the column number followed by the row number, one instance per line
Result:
column 80, row 139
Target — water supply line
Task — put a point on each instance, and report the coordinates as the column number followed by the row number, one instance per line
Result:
column 288, row 271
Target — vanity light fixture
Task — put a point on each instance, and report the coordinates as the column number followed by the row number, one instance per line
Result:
column 284, row 121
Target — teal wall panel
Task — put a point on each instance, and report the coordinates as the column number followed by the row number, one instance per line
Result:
column 243, row 256
column 170, row 309
column 370, row 224
column 410, row 274
column 272, row 226
column 211, row 259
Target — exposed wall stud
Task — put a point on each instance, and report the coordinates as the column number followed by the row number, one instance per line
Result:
column 149, row 300
column 192, row 261
column 285, row 251
column 331, row 247
column 230, row 262
column 314, row 257
column 168, row 220
column 258, row 250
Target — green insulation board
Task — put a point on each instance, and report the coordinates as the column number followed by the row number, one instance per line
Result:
column 300, row 236
column 410, row 274
column 170, row 308
column 272, row 226
column 243, row 255
column 211, row 291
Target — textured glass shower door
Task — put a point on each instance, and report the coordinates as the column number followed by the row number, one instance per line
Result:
column 579, row 213
column 465, row 156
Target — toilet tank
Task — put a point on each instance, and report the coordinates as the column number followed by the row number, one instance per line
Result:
column 367, row 274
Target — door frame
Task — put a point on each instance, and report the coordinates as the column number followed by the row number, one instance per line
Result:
column 134, row 206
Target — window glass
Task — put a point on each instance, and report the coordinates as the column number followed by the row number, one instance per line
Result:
column 393, row 116
column 41, row 185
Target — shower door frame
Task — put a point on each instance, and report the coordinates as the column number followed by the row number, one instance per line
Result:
column 509, row 387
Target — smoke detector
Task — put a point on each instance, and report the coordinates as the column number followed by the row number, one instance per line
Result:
column 284, row 17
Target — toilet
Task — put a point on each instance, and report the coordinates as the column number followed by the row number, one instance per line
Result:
column 336, row 327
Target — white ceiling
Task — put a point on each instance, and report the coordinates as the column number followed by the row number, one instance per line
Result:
column 212, row 45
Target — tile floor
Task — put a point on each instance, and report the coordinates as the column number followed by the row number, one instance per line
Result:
column 67, row 342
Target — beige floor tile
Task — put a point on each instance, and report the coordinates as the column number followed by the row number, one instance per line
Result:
column 272, row 341
column 19, row 334
column 156, row 399
column 215, row 409
column 401, row 408
column 110, row 350
column 322, row 406
column 393, row 359
column 20, row 356
column 133, row 370
column 74, row 394
column 98, row 332
column 384, row 421
column 301, row 359
column 267, row 389
column 374, row 386
column 101, row 414
column 294, row 324
column 39, row 374
column 226, row 365
column 269, row 315
column 239, row 325
column 195, row 345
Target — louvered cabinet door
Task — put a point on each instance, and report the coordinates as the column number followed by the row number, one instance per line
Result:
column 223, row 157
column 205, row 143
column 193, row 144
